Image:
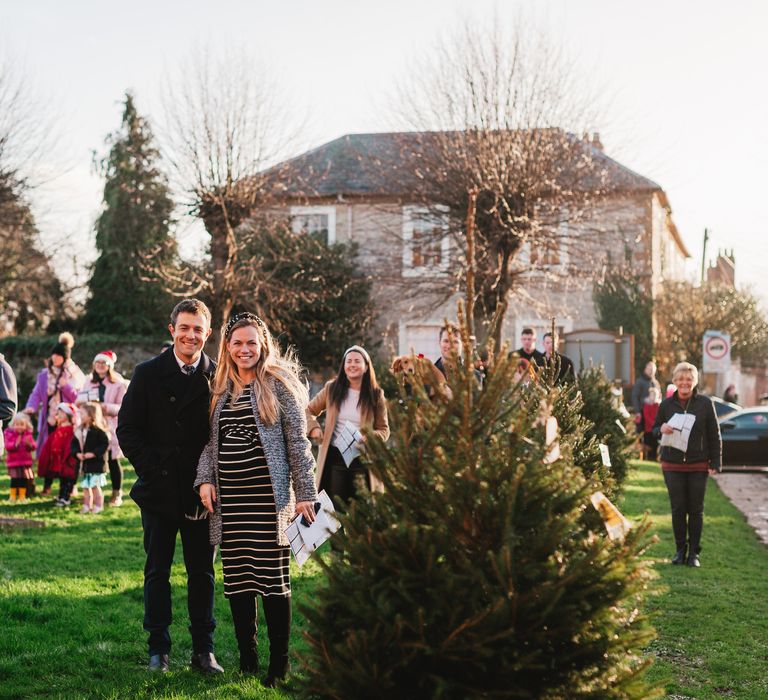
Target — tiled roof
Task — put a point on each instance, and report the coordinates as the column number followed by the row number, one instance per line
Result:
column 366, row 164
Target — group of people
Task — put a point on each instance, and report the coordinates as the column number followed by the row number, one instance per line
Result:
column 76, row 430
column 685, row 470
column 223, row 456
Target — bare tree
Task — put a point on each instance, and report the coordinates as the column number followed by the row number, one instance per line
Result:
column 225, row 123
column 500, row 114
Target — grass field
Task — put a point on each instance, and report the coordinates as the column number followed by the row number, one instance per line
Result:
column 71, row 605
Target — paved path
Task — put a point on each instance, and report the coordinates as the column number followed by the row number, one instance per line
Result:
column 749, row 493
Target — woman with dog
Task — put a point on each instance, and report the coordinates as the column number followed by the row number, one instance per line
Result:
column 257, row 458
column 354, row 397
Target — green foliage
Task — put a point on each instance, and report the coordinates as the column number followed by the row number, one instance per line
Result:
column 132, row 234
column 685, row 312
column 313, row 294
column 475, row 574
column 621, row 301
column 607, row 425
column 30, row 290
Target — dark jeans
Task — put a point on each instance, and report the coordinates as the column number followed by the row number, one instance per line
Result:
column 277, row 614
column 159, row 545
column 115, row 473
column 65, row 488
column 344, row 480
column 686, row 496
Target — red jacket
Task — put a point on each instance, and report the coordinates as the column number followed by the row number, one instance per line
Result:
column 649, row 416
column 19, row 448
column 56, row 458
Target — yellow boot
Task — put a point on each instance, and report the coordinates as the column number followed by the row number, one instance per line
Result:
column 22, row 494
column 12, row 497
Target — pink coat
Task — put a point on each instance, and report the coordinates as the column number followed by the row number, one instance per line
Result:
column 113, row 399
column 38, row 399
column 19, row 448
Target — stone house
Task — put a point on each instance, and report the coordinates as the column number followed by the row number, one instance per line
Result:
column 347, row 190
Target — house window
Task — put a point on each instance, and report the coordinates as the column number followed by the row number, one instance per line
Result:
column 319, row 221
column 551, row 251
column 426, row 245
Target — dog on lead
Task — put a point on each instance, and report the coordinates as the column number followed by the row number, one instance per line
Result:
column 411, row 368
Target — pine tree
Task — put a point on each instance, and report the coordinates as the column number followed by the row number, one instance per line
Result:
column 476, row 573
column 131, row 232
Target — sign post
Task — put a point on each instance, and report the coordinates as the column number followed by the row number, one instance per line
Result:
column 717, row 352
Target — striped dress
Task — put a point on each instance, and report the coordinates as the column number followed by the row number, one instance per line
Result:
column 252, row 560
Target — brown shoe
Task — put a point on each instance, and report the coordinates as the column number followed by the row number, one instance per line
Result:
column 206, row 662
column 159, row 663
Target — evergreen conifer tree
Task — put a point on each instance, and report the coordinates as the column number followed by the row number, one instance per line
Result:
column 131, row 231
column 475, row 574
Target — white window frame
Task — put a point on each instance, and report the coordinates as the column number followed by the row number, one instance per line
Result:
column 562, row 232
column 410, row 214
column 330, row 211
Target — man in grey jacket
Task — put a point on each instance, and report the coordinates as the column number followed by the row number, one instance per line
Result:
column 8, row 397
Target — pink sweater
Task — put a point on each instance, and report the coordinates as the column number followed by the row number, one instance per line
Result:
column 19, row 448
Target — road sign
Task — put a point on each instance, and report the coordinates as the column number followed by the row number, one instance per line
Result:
column 717, row 352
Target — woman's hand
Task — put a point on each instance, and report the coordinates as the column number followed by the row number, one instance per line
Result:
column 316, row 434
column 29, row 411
column 666, row 429
column 712, row 472
column 307, row 509
column 208, row 496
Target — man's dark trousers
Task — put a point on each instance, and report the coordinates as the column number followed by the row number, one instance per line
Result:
column 159, row 545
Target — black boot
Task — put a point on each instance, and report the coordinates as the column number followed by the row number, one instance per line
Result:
column 243, row 607
column 277, row 613
column 693, row 560
column 680, row 556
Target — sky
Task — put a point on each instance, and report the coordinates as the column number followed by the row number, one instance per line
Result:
column 681, row 84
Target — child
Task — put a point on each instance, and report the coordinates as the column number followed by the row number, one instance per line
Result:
column 19, row 444
column 56, row 458
column 650, row 409
column 89, row 446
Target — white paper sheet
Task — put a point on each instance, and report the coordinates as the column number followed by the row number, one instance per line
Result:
column 681, row 424
column 347, row 441
column 306, row 539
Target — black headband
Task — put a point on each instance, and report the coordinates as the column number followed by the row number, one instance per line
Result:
column 244, row 316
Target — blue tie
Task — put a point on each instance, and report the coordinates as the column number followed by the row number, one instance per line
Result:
column 189, row 370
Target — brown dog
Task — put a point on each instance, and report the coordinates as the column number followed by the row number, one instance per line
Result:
column 408, row 367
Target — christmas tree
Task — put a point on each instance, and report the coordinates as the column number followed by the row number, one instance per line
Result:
column 476, row 573
column 132, row 234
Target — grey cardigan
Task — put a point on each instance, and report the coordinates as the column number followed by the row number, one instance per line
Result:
column 289, row 459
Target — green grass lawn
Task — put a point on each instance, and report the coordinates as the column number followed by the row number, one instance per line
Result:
column 71, row 606
column 712, row 622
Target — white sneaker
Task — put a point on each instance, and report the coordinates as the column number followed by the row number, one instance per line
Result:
column 85, row 509
column 97, row 509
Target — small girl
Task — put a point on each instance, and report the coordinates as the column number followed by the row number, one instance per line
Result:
column 89, row 446
column 650, row 409
column 56, row 456
column 19, row 444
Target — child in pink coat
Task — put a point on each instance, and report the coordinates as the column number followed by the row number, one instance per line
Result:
column 20, row 446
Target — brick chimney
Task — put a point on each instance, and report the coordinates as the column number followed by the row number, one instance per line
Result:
column 596, row 142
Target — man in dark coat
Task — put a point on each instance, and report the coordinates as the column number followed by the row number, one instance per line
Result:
column 527, row 350
column 162, row 428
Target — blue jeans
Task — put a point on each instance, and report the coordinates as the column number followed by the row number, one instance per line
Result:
column 159, row 545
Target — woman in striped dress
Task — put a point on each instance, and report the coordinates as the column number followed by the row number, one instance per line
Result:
column 257, row 456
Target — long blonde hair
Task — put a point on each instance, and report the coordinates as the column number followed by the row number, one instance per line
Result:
column 97, row 417
column 271, row 366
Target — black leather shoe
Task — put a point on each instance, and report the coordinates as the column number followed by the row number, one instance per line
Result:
column 679, row 557
column 276, row 674
column 206, row 662
column 249, row 662
column 158, row 662
column 693, row 560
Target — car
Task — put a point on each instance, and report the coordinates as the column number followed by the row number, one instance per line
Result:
column 745, row 438
column 724, row 408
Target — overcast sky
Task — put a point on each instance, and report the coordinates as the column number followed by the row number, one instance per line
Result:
column 684, row 80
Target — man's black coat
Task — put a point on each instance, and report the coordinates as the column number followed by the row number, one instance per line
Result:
column 162, row 429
